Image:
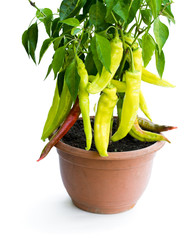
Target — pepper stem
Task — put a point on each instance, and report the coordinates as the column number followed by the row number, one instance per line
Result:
column 131, row 62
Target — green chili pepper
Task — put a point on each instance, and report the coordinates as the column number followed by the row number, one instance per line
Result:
column 52, row 113
column 106, row 104
column 63, row 109
column 145, row 136
column 84, row 101
column 153, row 79
column 150, row 126
column 100, row 82
column 143, row 105
column 130, row 104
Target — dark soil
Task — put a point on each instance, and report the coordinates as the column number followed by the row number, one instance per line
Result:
column 76, row 138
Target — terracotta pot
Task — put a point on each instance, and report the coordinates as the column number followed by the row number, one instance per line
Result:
column 105, row 184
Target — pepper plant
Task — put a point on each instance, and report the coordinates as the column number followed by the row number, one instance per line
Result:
column 102, row 46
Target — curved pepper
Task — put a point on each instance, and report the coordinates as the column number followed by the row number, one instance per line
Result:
column 143, row 105
column 65, row 127
column 100, row 82
column 52, row 113
column 63, row 109
column 102, row 123
column 150, row 126
column 145, row 136
column 153, row 79
column 84, row 101
column 130, row 104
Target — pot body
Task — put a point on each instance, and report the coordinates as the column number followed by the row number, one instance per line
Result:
column 105, row 184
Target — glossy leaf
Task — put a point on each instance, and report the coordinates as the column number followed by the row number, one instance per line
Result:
column 110, row 4
column 104, row 51
column 134, row 6
column 97, row 62
column 160, row 61
column 155, row 6
column 71, row 21
column 97, row 15
column 48, row 71
column 67, row 7
column 146, row 16
column 44, row 47
column 58, row 60
column 32, row 39
column 45, row 15
column 122, row 9
column 161, row 33
column 148, row 47
column 72, row 78
column 25, row 41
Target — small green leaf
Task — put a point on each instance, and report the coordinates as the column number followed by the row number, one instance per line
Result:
column 110, row 4
column 25, row 41
column 71, row 21
column 90, row 65
column 146, row 16
column 44, row 47
column 97, row 15
column 161, row 33
column 122, row 9
column 135, row 5
column 48, row 70
column 60, row 81
column 72, row 78
column 45, row 15
column 75, row 30
column 104, row 51
column 58, row 60
column 148, row 47
column 167, row 13
column 160, row 61
column 33, row 38
column 67, row 7
column 97, row 62
column 155, row 6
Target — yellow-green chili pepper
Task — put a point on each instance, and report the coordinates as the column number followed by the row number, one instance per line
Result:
column 84, row 101
column 143, row 105
column 106, row 104
column 130, row 104
column 63, row 109
column 137, row 59
column 101, row 81
column 145, row 136
column 121, row 87
column 52, row 113
column 153, row 79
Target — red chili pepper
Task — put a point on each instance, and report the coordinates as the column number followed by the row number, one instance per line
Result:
column 65, row 127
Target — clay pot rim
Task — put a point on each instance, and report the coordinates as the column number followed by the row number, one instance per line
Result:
column 112, row 155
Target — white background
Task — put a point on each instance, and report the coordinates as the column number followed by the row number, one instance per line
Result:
column 33, row 201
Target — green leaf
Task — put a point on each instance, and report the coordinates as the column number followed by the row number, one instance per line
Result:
column 160, row 61
column 122, row 9
column 67, row 7
column 58, row 60
column 45, row 15
column 148, row 47
column 44, row 47
column 25, row 41
column 97, row 62
column 71, row 21
column 167, row 13
column 110, row 4
column 97, row 15
column 74, row 31
column 146, row 16
column 32, row 39
column 48, row 70
column 155, row 6
column 60, row 81
column 72, row 78
column 90, row 65
column 104, row 51
column 135, row 5
column 161, row 33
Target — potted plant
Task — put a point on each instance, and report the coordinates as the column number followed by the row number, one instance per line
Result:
column 103, row 47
